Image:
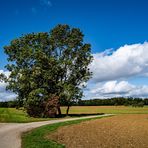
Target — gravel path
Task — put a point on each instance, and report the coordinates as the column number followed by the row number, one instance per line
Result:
column 10, row 133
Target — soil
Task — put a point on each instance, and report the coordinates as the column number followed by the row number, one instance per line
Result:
column 120, row 131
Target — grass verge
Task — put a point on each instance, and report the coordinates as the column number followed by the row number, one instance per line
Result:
column 36, row 138
column 17, row 116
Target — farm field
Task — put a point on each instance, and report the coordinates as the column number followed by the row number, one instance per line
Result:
column 106, row 109
column 14, row 115
column 124, row 131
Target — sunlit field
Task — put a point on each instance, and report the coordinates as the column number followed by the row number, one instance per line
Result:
column 15, row 115
column 106, row 109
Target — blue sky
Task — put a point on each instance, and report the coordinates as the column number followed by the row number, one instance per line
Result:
column 107, row 24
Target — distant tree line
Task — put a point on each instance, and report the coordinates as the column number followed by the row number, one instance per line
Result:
column 135, row 102
column 12, row 104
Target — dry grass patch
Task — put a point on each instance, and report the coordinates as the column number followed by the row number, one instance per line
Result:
column 106, row 109
column 121, row 131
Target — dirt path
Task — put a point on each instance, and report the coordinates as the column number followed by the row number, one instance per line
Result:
column 10, row 133
column 120, row 131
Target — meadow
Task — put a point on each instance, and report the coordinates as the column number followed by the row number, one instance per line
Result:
column 106, row 110
column 15, row 115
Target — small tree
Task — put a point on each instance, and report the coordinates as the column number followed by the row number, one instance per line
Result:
column 70, row 95
column 44, row 65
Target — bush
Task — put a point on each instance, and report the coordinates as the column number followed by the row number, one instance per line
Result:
column 140, row 104
column 41, row 107
column 3, row 104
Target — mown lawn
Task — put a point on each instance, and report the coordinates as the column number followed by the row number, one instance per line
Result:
column 15, row 115
column 106, row 109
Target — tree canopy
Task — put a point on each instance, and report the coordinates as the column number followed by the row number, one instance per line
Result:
column 48, row 68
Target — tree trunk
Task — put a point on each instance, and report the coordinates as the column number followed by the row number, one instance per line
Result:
column 67, row 111
column 59, row 111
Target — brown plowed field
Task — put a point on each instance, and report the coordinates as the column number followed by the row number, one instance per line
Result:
column 120, row 131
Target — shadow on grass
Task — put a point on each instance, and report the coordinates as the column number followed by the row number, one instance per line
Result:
column 78, row 115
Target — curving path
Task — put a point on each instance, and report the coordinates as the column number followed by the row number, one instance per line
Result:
column 10, row 133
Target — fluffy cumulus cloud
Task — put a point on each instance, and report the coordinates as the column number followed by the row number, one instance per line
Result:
column 127, row 61
column 111, row 67
column 112, row 87
column 117, row 89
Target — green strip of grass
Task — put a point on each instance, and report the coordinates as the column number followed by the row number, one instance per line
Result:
column 36, row 138
column 18, row 116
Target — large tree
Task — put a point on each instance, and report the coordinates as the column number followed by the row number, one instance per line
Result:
column 47, row 68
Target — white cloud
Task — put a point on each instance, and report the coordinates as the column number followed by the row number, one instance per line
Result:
column 127, row 61
column 112, row 87
column 117, row 89
column 5, row 95
column 111, row 67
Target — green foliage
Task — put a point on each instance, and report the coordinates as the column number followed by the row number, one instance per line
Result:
column 4, row 104
column 2, row 77
column 11, row 104
column 35, row 103
column 135, row 102
column 139, row 104
column 47, row 64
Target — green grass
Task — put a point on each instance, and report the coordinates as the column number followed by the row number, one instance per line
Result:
column 107, row 109
column 15, row 115
column 37, row 137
